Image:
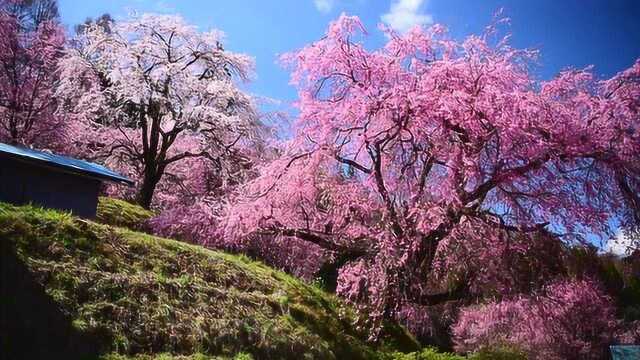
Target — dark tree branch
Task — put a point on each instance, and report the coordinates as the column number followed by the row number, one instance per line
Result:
column 321, row 240
column 353, row 164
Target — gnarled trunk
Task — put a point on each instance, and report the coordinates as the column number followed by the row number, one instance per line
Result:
column 147, row 188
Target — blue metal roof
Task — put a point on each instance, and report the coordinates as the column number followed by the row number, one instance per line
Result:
column 64, row 163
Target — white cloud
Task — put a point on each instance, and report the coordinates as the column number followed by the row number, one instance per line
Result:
column 405, row 14
column 324, row 6
column 620, row 245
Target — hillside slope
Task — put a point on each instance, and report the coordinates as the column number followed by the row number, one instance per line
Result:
column 93, row 289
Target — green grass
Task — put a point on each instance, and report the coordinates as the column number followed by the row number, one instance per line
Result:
column 150, row 297
column 433, row 354
column 121, row 213
column 166, row 356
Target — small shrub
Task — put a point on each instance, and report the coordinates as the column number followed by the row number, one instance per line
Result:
column 243, row 356
column 499, row 353
column 424, row 354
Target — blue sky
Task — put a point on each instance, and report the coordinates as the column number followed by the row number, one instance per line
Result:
column 568, row 32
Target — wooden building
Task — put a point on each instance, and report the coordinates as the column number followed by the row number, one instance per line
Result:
column 52, row 181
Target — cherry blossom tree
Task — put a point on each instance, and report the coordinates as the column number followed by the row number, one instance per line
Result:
column 31, row 42
column 566, row 320
column 156, row 92
column 399, row 153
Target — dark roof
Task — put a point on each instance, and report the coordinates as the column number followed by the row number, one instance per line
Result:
column 63, row 163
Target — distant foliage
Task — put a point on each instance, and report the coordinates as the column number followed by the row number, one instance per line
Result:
column 503, row 263
column 566, row 320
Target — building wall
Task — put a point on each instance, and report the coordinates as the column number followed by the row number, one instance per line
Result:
column 23, row 183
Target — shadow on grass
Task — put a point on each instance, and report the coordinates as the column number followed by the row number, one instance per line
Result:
column 32, row 326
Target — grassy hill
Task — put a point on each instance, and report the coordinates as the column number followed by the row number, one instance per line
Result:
column 77, row 289
column 100, row 289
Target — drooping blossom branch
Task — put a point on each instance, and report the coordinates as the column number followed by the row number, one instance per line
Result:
column 399, row 150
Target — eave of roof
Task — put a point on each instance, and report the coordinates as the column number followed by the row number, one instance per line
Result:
column 63, row 163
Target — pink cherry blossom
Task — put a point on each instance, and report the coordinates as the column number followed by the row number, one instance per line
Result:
column 31, row 44
column 566, row 320
column 429, row 158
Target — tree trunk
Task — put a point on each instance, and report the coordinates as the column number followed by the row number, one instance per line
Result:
column 153, row 156
column 147, row 188
column 329, row 271
column 13, row 130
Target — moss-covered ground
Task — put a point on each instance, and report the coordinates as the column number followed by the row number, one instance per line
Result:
column 121, row 213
